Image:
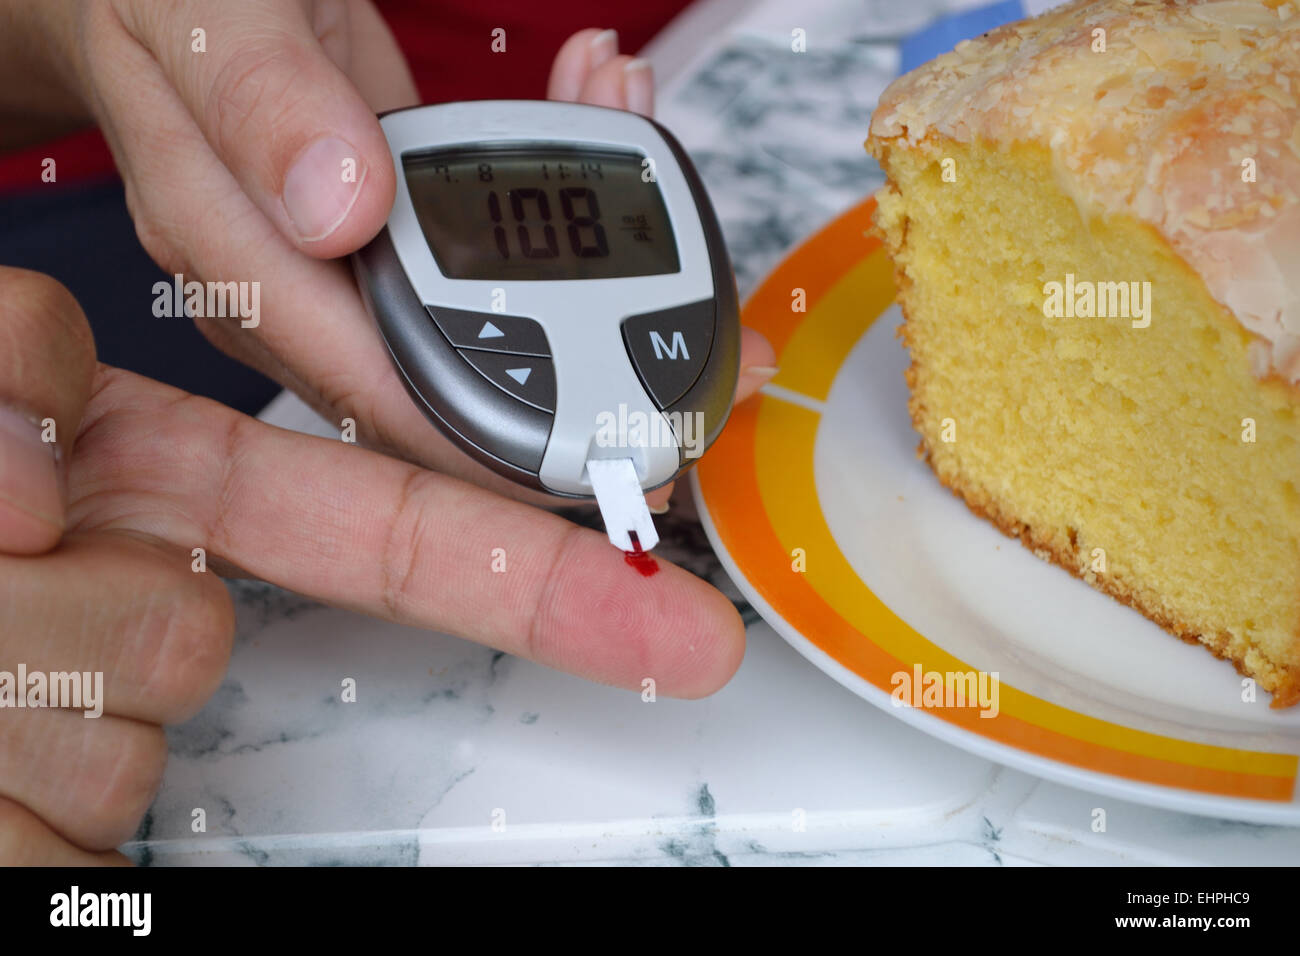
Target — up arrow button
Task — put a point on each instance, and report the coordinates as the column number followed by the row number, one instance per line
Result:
column 491, row 331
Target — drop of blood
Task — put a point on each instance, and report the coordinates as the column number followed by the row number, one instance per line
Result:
column 639, row 559
column 642, row 562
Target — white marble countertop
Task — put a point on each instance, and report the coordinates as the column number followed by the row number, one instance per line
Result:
column 455, row 754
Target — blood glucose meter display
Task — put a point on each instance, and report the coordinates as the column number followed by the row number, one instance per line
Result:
column 535, row 214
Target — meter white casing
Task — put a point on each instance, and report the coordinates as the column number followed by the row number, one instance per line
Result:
column 595, row 376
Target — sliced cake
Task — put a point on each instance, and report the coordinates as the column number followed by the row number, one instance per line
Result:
column 1095, row 224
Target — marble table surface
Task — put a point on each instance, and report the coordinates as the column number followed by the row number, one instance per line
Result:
column 456, row 754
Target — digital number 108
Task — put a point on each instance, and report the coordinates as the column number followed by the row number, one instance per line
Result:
column 586, row 234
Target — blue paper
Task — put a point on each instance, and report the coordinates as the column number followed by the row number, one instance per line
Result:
column 945, row 33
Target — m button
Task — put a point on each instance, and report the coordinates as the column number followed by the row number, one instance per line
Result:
column 670, row 348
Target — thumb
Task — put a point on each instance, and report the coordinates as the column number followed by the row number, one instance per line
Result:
column 283, row 118
column 46, row 365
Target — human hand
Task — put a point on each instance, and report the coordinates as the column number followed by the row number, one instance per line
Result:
column 97, row 570
column 232, row 157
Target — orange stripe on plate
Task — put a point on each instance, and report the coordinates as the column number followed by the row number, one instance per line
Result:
column 841, row 245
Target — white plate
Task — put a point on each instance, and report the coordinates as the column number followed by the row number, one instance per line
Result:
column 820, row 471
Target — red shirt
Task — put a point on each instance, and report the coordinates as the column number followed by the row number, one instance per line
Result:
column 449, row 48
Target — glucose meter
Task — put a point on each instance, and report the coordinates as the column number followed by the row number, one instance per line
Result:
column 553, row 288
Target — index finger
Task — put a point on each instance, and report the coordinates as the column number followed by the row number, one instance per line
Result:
column 356, row 529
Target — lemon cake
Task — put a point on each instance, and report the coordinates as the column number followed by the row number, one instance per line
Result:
column 1095, row 225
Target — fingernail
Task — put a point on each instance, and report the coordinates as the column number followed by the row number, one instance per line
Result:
column 28, row 477
column 640, row 85
column 659, row 509
column 764, row 372
column 604, row 47
column 323, row 183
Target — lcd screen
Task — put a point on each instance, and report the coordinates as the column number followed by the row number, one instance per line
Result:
column 541, row 213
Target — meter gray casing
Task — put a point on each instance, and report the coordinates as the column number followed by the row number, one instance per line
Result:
column 589, row 324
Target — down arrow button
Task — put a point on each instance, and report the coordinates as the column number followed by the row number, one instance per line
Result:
column 528, row 378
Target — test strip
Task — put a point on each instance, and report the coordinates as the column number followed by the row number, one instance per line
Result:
column 622, row 503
